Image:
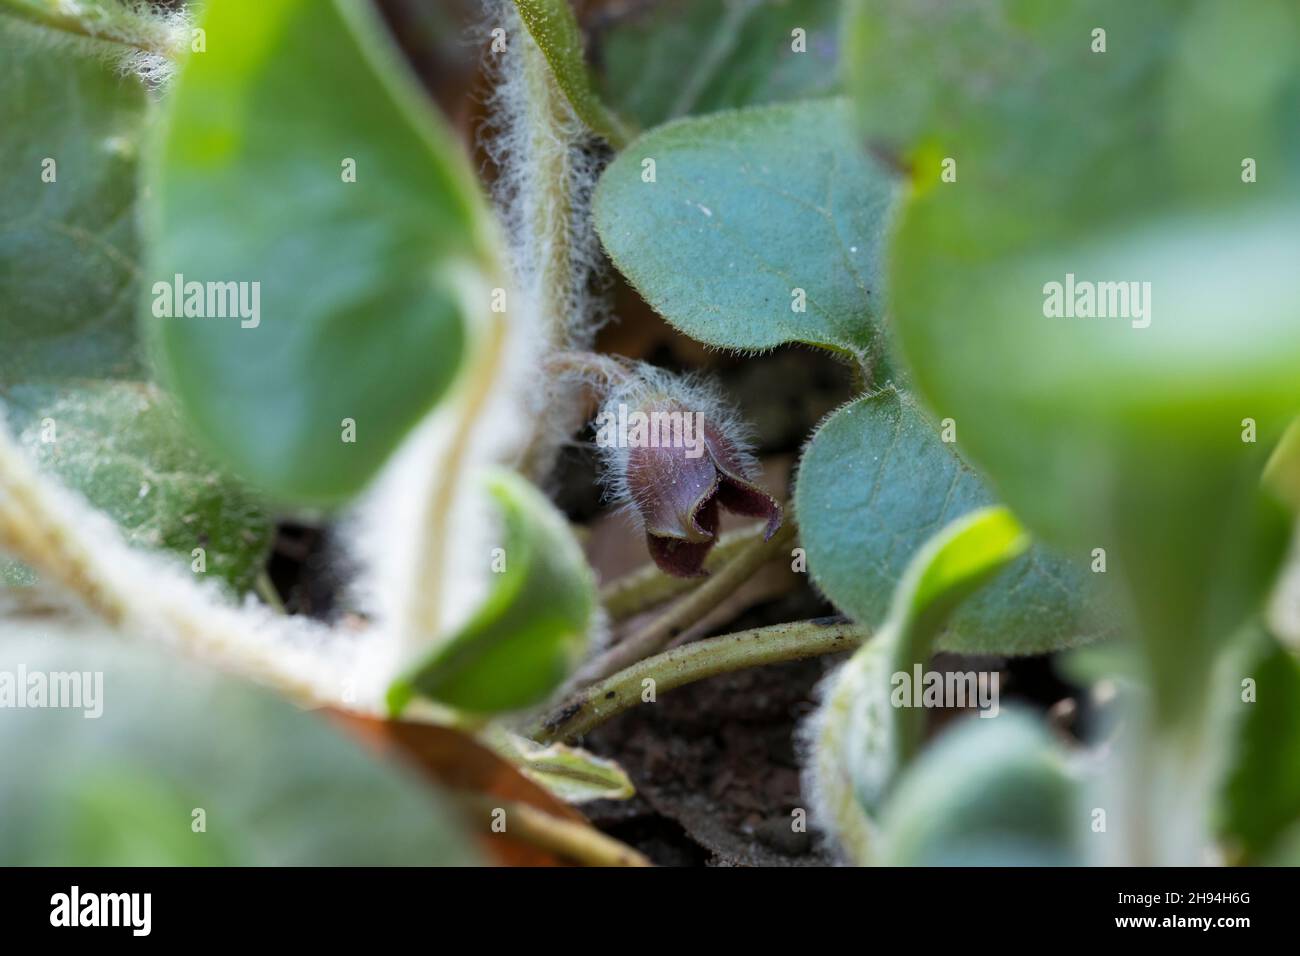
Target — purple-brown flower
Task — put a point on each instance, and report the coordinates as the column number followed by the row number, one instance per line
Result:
column 679, row 466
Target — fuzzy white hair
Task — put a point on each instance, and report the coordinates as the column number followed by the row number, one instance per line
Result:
column 694, row 392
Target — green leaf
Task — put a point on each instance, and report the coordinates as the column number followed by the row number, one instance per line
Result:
column 1282, row 473
column 1188, row 90
column 992, row 792
column 276, row 786
column 1260, row 801
column 554, row 29
column 570, row 773
column 70, row 368
column 746, row 209
column 366, row 288
column 69, row 246
column 120, row 30
column 737, row 53
column 877, row 481
column 532, row 629
column 1123, row 433
column 121, row 445
column 860, row 740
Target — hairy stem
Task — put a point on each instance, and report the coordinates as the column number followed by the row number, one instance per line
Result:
column 606, row 371
column 549, row 205
column 545, row 185
column 656, row 635
column 684, row 665
column 570, row 839
column 647, row 586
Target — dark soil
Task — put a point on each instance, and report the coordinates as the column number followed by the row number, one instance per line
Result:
column 715, row 763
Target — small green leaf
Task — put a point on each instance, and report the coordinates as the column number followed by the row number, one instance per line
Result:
column 990, row 792
column 555, row 30
column 570, row 773
column 860, row 740
column 877, row 481
column 184, row 767
column 735, row 54
column 534, row 626
column 70, row 368
column 1260, row 801
column 365, row 288
column 757, row 228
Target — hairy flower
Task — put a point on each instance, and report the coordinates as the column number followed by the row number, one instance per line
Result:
column 678, row 457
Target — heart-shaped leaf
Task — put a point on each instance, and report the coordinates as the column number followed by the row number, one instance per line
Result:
column 178, row 766
column 304, row 190
column 70, row 369
column 875, row 483
column 738, row 54
column 534, row 626
column 754, row 228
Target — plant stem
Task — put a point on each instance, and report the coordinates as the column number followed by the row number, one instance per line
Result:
column 423, row 617
column 647, row 586
column 265, row 589
column 696, row 661
column 655, row 636
column 576, row 841
column 548, row 204
column 545, row 185
column 607, row 370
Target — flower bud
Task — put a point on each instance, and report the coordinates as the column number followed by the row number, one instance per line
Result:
column 677, row 456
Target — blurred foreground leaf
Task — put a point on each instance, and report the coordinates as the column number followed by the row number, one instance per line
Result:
column 71, row 375
column 176, row 745
column 992, row 792
column 1121, row 425
column 1260, row 802
column 300, row 160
